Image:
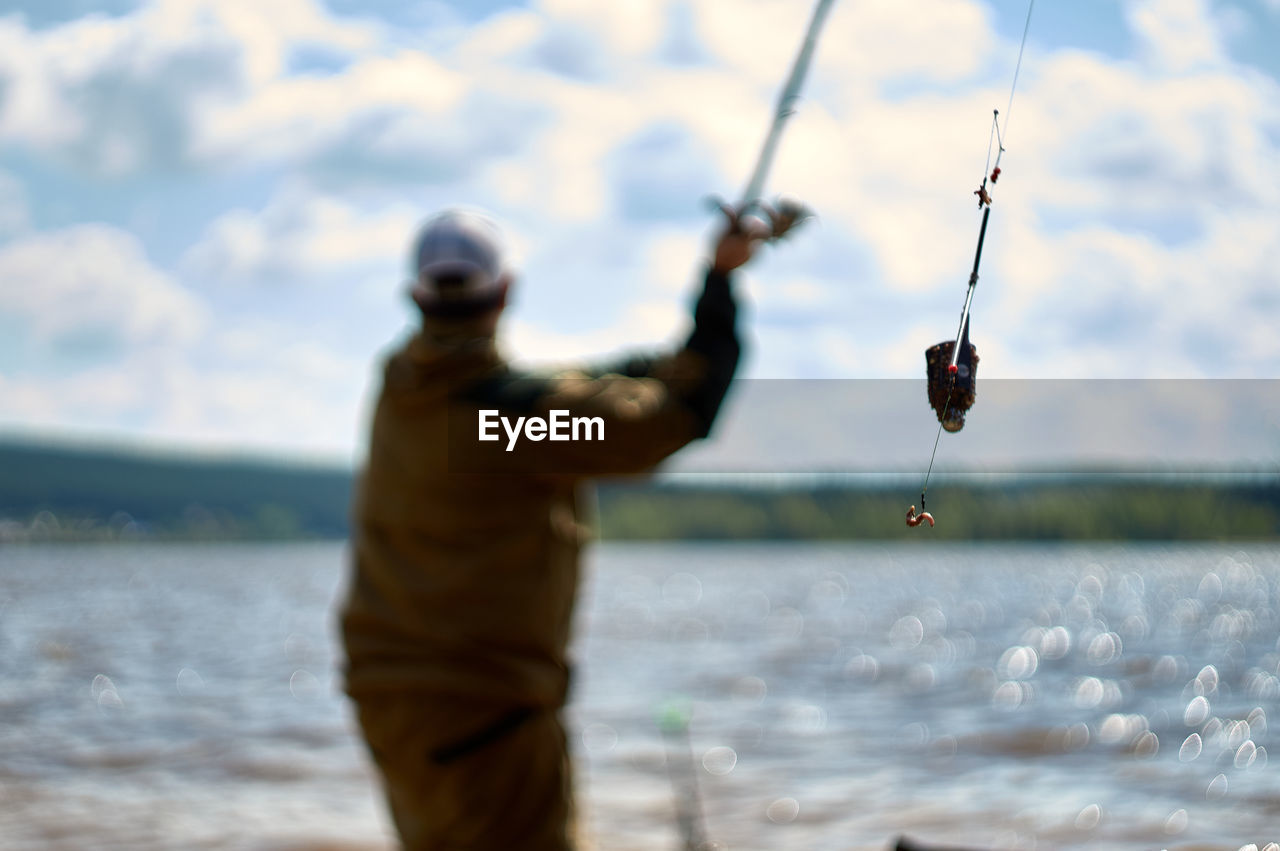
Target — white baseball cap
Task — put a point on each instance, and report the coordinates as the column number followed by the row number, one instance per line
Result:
column 458, row 259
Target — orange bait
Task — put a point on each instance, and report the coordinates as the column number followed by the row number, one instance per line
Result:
column 914, row 519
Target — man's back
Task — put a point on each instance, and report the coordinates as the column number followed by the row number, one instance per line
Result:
column 464, row 582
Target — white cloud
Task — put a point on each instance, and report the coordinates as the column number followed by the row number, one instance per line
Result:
column 495, row 39
column 649, row 327
column 875, row 43
column 14, row 212
column 1134, row 231
column 630, row 27
column 1098, row 302
column 669, row 256
column 121, row 95
column 1115, row 139
column 1177, row 35
column 258, row 385
column 296, row 396
column 301, row 236
column 292, row 117
column 173, row 400
column 107, row 94
column 94, row 285
column 887, row 172
column 151, row 360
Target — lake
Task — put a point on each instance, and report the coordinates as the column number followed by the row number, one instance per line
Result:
column 1021, row 696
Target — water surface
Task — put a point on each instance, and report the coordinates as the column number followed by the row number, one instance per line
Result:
column 1010, row 696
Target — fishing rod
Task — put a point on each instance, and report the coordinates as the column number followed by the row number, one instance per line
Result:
column 673, row 722
column 960, row 376
column 785, row 108
column 788, row 213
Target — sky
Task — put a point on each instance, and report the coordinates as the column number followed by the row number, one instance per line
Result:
column 206, row 206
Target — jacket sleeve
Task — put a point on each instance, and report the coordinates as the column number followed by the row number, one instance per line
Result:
column 715, row 339
column 629, row 418
column 711, row 351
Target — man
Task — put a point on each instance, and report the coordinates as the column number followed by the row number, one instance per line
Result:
column 466, row 550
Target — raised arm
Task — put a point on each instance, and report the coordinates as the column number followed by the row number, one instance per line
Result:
column 647, row 409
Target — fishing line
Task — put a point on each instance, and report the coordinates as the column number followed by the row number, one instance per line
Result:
column 936, row 439
column 997, row 134
column 990, row 172
column 994, row 137
column 1026, row 28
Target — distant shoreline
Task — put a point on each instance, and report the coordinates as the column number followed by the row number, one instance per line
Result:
column 61, row 494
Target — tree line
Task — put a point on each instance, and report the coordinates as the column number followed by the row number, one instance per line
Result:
column 59, row 493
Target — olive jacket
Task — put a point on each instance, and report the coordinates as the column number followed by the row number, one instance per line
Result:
column 465, row 551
